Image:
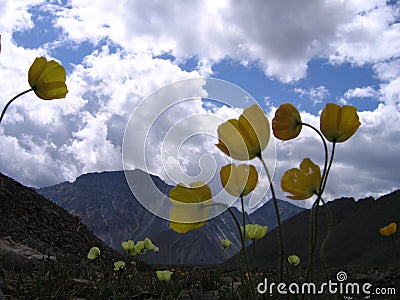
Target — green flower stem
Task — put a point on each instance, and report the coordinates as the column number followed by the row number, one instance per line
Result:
column 278, row 218
column 9, row 102
column 325, row 149
column 254, row 256
column 315, row 207
column 326, row 239
column 242, row 238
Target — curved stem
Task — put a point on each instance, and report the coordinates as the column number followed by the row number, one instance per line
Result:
column 325, row 148
column 249, row 278
column 242, row 237
column 326, row 239
column 254, row 256
column 315, row 207
column 278, row 219
column 9, row 102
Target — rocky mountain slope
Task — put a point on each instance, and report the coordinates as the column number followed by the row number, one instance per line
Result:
column 32, row 226
column 108, row 207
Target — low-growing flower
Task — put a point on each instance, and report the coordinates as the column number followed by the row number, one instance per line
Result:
column 302, row 183
column 294, row 260
column 156, row 249
column 190, row 206
column 389, row 229
column 119, row 265
column 94, row 252
column 239, row 180
column 337, row 123
column 247, row 137
column 164, row 275
column 148, row 244
column 140, row 247
column 129, row 246
column 286, row 124
column 225, row 243
column 254, row 231
column 47, row 79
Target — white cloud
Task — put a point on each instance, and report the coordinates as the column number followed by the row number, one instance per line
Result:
column 48, row 142
column 281, row 36
column 316, row 95
column 364, row 92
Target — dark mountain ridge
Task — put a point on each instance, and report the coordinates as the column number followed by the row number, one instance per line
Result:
column 108, row 207
column 355, row 239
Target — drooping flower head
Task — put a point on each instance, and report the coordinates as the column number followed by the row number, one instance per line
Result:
column 286, row 124
column 294, row 260
column 239, row 180
column 164, row 275
column 247, row 137
column 389, row 229
column 302, row 183
column 47, row 79
column 190, row 206
column 94, row 252
column 254, row 231
column 337, row 123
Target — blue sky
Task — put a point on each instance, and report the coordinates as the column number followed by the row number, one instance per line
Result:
column 118, row 52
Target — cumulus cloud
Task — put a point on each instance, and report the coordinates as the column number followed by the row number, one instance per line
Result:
column 316, row 95
column 47, row 142
column 364, row 92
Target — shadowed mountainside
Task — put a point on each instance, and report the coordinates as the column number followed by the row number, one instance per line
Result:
column 30, row 221
column 108, row 207
column 354, row 241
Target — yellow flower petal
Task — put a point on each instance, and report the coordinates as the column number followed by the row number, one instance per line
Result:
column 190, row 206
column 164, row 275
column 389, row 229
column 286, row 124
column 254, row 231
column 337, row 123
column 94, row 252
column 247, row 137
column 119, row 265
column 239, row 180
column 302, row 183
column 294, row 260
column 47, row 79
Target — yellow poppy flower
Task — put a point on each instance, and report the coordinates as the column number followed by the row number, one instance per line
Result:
column 129, row 247
column 247, row 137
column 254, row 231
column 302, row 183
column 239, row 180
column 47, row 79
column 148, row 244
column 225, row 243
column 119, row 265
column 337, row 123
column 389, row 229
column 94, row 252
column 294, row 260
column 189, row 210
column 164, row 275
column 286, row 124
column 140, row 247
